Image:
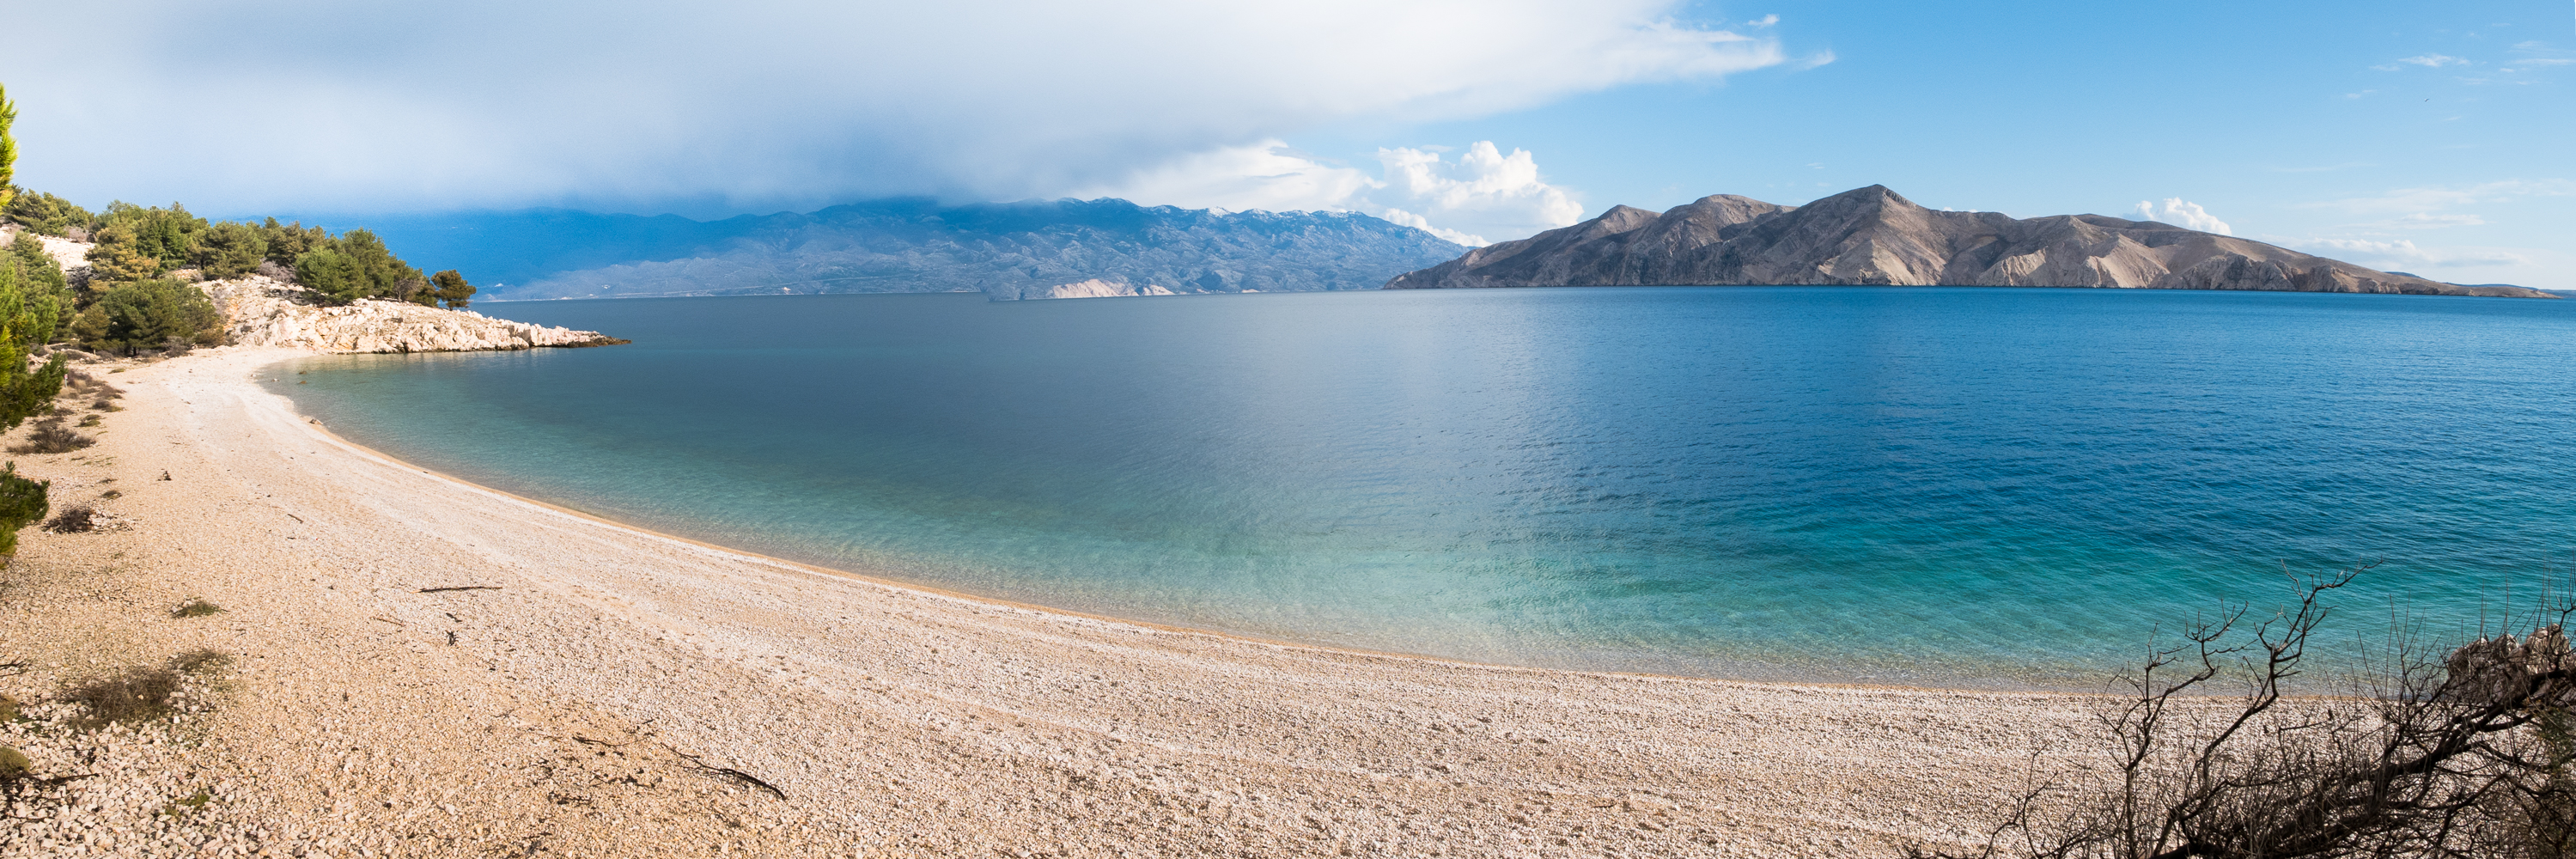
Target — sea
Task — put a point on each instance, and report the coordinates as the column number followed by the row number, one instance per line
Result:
column 1957, row 487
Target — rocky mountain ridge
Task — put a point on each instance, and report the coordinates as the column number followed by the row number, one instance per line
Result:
column 1030, row 249
column 1873, row 236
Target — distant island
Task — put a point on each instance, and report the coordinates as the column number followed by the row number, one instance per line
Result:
column 1007, row 251
column 1874, row 237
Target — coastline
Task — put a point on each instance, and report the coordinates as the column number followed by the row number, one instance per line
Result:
column 933, row 590
column 892, row 717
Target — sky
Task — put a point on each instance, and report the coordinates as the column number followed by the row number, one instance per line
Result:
column 2433, row 138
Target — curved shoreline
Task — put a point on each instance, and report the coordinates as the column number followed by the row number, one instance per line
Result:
column 889, row 581
column 591, row 696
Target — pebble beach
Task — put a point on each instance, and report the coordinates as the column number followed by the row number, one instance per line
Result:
column 412, row 665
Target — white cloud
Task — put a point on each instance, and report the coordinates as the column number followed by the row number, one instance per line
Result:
column 1482, row 192
column 765, row 103
column 2404, row 254
column 2436, row 197
column 2189, row 216
column 1764, row 21
column 2433, row 61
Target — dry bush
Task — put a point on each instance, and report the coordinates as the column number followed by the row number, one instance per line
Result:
column 130, row 696
column 50, row 436
column 73, row 520
column 2466, row 755
column 196, row 607
column 198, row 661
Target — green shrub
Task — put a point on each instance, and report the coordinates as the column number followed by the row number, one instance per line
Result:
column 47, row 214
column 39, row 272
column 119, row 257
column 229, row 250
column 289, row 242
column 136, row 316
column 331, row 275
column 385, row 275
column 22, row 503
column 167, row 234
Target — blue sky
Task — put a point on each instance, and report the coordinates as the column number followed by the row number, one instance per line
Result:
column 2425, row 137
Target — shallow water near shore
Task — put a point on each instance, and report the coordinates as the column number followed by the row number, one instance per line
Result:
column 1972, row 487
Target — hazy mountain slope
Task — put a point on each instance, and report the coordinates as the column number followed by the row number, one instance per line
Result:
column 1872, row 236
column 1063, row 248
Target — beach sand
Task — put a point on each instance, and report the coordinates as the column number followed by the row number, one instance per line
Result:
column 591, row 704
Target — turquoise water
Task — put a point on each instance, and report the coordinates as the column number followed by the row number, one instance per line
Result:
column 1952, row 486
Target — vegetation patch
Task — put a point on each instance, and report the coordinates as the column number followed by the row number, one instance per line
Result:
column 191, row 803
column 74, row 520
column 196, row 607
column 50, row 436
column 201, row 661
column 132, row 696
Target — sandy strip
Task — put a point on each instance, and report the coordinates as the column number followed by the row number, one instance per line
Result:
column 557, row 713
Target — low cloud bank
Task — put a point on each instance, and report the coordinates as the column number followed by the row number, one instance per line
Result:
column 779, row 104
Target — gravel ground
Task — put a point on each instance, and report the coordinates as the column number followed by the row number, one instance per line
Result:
column 611, row 692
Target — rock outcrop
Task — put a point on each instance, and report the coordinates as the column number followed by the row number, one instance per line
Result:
column 259, row 311
column 1872, row 236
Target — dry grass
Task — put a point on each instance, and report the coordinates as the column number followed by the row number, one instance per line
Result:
column 137, row 695
column 131, row 696
column 196, row 607
column 73, row 520
column 51, row 437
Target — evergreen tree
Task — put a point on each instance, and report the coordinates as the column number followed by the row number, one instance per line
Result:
column 452, row 288
column 289, row 242
column 25, row 322
column 120, row 257
column 8, row 149
column 168, row 234
column 22, row 503
column 384, row 275
column 229, row 250
column 332, row 276
column 47, row 214
column 145, row 315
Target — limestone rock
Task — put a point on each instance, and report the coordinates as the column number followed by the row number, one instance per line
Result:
column 260, row 311
column 1872, row 236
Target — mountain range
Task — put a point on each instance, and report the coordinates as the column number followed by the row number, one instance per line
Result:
column 1873, row 236
column 1033, row 249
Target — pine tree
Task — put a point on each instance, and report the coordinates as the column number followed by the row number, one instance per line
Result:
column 452, row 289
column 8, row 148
column 26, row 321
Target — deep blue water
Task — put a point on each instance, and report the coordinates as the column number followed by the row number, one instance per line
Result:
column 1957, row 486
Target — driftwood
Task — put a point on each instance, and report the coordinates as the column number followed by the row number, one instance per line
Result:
column 729, row 772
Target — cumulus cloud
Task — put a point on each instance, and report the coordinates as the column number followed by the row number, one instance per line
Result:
column 1479, row 193
column 2183, row 214
column 238, row 105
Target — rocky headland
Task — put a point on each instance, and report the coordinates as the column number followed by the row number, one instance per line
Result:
column 261, row 311
column 1874, row 237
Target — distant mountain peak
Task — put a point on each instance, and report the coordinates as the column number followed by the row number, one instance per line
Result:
column 1026, row 248
column 1875, row 236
